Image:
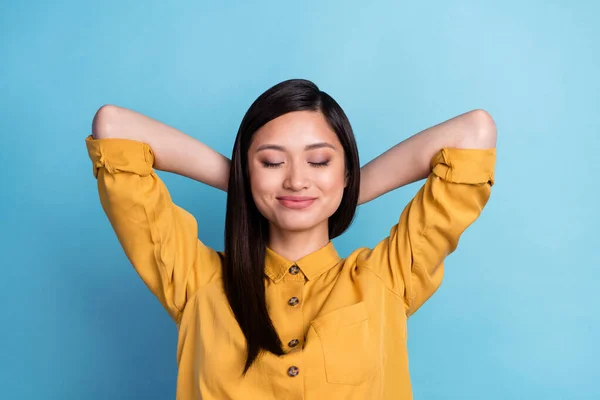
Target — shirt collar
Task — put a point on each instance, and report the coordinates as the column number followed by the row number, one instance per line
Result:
column 311, row 265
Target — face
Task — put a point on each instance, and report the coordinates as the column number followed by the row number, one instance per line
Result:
column 297, row 171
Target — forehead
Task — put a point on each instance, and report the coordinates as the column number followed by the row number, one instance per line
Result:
column 295, row 130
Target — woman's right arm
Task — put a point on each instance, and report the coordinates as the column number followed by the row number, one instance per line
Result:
column 174, row 151
column 159, row 238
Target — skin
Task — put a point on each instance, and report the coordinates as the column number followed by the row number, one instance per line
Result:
column 294, row 157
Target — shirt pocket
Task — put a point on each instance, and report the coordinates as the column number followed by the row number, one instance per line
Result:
column 347, row 344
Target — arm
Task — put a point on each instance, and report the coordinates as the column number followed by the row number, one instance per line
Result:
column 409, row 160
column 159, row 238
column 460, row 174
column 173, row 150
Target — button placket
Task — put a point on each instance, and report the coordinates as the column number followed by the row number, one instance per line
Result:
column 294, row 303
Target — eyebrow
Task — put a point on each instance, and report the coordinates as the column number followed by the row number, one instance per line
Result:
column 312, row 146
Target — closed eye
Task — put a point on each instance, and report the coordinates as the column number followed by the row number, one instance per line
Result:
column 271, row 165
column 321, row 164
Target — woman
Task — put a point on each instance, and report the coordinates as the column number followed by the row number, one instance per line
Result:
column 278, row 314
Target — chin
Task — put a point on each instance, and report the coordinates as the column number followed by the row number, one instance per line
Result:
column 297, row 224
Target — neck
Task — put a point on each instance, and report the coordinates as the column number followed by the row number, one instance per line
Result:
column 293, row 245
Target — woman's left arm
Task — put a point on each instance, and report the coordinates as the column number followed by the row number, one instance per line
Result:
column 409, row 160
column 458, row 158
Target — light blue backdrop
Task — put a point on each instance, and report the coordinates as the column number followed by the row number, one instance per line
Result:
column 517, row 316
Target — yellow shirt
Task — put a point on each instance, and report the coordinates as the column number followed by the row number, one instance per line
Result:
column 342, row 321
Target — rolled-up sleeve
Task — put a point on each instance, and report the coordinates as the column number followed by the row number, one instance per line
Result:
column 411, row 259
column 159, row 238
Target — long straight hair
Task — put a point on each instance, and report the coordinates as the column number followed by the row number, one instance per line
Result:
column 247, row 230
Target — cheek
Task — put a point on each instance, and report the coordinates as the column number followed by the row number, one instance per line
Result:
column 332, row 183
column 263, row 184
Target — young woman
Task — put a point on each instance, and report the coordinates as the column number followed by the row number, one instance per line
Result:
column 278, row 314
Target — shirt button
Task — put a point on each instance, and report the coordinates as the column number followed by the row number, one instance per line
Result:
column 293, row 371
column 293, row 301
column 294, row 269
column 293, row 343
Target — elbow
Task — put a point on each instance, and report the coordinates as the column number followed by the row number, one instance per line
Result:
column 104, row 121
column 482, row 130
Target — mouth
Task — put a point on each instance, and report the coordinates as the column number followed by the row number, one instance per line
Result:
column 296, row 202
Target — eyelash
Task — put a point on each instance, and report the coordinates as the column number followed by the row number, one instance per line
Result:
column 275, row 165
column 270, row 165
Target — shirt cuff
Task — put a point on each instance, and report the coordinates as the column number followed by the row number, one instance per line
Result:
column 471, row 166
column 120, row 155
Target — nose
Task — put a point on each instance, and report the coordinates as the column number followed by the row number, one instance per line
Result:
column 296, row 178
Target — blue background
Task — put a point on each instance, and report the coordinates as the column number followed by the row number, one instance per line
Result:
column 517, row 315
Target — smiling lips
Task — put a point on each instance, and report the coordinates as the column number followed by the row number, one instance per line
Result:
column 296, row 202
